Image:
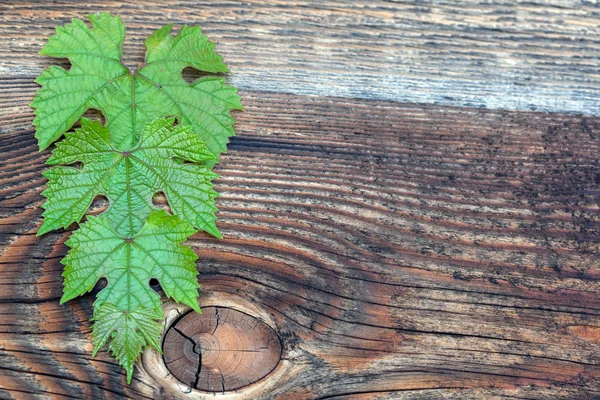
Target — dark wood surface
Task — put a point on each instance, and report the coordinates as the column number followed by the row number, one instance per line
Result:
column 398, row 250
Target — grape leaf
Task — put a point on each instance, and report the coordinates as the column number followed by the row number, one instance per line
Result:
column 130, row 179
column 128, row 307
column 131, row 99
column 130, row 333
column 136, row 154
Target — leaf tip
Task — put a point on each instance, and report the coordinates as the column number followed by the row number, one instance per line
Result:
column 196, row 307
column 66, row 297
column 42, row 145
column 129, row 369
column 45, row 228
column 213, row 230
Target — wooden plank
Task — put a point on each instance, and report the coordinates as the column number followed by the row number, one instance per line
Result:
column 503, row 54
column 400, row 251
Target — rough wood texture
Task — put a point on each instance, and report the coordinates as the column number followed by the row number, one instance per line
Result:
column 525, row 55
column 220, row 350
column 398, row 250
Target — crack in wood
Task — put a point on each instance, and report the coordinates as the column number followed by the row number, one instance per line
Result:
column 197, row 349
column 218, row 317
column 199, row 370
column 256, row 353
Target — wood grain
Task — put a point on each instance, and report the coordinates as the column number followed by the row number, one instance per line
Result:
column 222, row 349
column 523, row 55
column 400, row 251
column 404, row 251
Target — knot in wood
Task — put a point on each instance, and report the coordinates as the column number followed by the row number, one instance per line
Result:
column 221, row 349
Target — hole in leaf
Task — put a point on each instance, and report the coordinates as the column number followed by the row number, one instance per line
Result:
column 101, row 284
column 92, row 114
column 190, row 74
column 178, row 160
column 99, row 204
column 159, row 200
column 154, row 283
column 77, row 165
column 182, row 161
column 64, row 63
column 96, row 115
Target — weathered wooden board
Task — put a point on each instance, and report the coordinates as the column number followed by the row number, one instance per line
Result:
column 398, row 250
column 525, row 55
column 401, row 251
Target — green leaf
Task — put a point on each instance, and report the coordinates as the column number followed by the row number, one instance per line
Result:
column 131, row 99
column 129, row 262
column 130, row 333
column 128, row 308
column 135, row 155
column 130, row 179
column 95, row 56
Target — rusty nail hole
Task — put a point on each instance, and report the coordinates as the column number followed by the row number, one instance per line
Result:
column 220, row 350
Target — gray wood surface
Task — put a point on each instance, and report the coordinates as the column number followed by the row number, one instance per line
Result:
column 521, row 55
